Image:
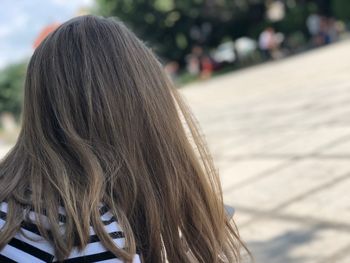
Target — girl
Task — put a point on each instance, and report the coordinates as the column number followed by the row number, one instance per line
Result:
column 109, row 165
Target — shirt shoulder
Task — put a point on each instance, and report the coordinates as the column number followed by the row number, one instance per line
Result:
column 28, row 246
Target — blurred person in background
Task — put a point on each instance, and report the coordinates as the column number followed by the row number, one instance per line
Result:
column 199, row 63
column 207, row 67
column 266, row 42
column 109, row 165
column 313, row 23
column 269, row 44
column 331, row 31
column 193, row 60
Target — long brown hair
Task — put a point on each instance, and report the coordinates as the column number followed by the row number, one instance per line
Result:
column 103, row 123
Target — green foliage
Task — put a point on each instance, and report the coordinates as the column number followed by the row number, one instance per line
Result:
column 341, row 9
column 173, row 27
column 294, row 20
column 11, row 87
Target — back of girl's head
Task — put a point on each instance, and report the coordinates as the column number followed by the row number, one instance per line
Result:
column 93, row 79
column 103, row 124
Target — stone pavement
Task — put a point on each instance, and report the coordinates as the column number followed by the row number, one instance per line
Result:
column 280, row 136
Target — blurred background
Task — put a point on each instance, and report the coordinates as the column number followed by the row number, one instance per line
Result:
column 269, row 83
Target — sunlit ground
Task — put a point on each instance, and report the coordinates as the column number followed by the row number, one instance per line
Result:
column 280, row 135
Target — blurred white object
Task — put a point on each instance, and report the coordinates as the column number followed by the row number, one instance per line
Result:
column 276, row 11
column 313, row 23
column 225, row 52
column 245, row 46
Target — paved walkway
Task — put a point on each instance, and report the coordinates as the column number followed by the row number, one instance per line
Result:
column 280, row 135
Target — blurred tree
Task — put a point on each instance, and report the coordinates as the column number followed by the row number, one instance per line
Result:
column 175, row 26
column 323, row 7
column 341, row 9
column 294, row 20
column 11, row 86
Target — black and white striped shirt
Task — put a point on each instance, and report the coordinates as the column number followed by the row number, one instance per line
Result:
column 23, row 249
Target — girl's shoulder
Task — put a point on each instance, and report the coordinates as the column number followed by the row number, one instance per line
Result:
column 29, row 246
